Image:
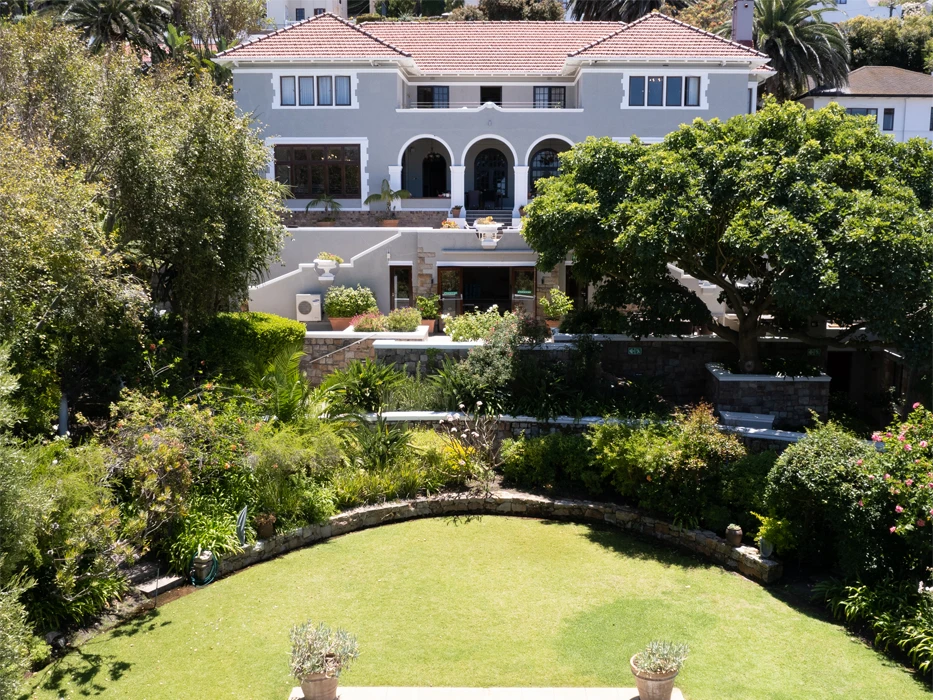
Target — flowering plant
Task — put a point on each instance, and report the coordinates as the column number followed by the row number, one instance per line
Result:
column 449, row 223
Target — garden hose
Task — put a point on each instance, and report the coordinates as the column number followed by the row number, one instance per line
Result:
column 211, row 575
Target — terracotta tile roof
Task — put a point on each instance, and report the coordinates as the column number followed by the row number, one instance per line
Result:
column 321, row 36
column 881, row 81
column 491, row 47
column 657, row 35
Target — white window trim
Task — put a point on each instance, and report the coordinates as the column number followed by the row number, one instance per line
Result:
column 666, row 73
column 360, row 141
column 277, row 75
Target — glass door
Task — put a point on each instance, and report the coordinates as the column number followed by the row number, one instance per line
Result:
column 450, row 287
column 400, row 286
column 523, row 290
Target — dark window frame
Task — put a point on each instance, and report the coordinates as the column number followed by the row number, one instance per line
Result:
column 319, row 11
column 654, row 80
column 329, row 81
column 432, row 96
column 282, row 81
column 931, row 118
column 299, row 14
column 634, row 91
column 349, row 84
column 336, row 166
column 887, row 119
column 495, row 89
column 304, row 80
column 538, row 168
column 549, row 96
column 692, row 80
column 863, row 112
column 675, row 93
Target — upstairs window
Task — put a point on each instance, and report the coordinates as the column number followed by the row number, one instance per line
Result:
column 318, row 11
column 547, row 97
column 887, row 120
column 342, row 85
column 306, row 91
column 490, row 94
column 655, row 91
column 287, row 88
column 863, row 112
column 433, row 97
column 692, row 91
column 931, row 118
column 310, row 171
column 636, row 91
column 661, row 91
column 299, row 14
column 325, row 90
column 674, row 91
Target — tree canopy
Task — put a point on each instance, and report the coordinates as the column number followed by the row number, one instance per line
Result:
column 795, row 214
column 905, row 43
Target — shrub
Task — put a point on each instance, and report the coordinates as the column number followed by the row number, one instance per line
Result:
column 234, row 344
column 468, row 13
column 429, row 306
column 374, row 17
column 15, row 636
column 321, row 650
column 364, row 386
column 558, row 306
column 416, row 393
column 403, row 320
column 474, row 326
column 347, row 302
column 548, row 461
column 211, row 529
column 816, row 485
column 373, row 322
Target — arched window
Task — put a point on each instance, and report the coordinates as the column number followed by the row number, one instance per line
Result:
column 433, row 175
column 544, row 163
column 491, row 175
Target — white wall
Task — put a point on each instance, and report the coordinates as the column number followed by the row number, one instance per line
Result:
column 911, row 114
column 282, row 12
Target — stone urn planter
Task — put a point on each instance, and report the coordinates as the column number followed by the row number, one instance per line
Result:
column 487, row 230
column 734, row 535
column 653, row 686
column 317, row 686
column 340, row 324
column 325, row 269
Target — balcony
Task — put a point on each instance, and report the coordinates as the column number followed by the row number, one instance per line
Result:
column 476, row 106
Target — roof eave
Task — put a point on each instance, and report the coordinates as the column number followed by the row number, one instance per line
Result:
column 368, row 60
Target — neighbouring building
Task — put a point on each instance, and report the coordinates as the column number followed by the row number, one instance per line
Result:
column 466, row 116
column 899, row 100
column 843, row 10
column 284, row 13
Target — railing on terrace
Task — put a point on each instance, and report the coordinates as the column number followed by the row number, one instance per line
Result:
column 474, row 104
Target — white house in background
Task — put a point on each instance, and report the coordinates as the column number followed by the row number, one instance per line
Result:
column 847, row 9
column 286, row 12
column 901, row 101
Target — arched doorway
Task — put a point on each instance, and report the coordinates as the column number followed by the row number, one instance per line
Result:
column 433, row 175
column 543, row 164
column 491, row 177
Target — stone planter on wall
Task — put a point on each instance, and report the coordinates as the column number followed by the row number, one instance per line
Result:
column 789, row 399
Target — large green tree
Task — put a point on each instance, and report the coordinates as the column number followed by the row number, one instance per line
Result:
column 622, row 10
column 804, row 48
column 795, row 214
column 905, row 43
column 139, row 23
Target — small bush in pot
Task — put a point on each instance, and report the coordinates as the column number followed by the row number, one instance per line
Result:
column 319, row 654
column 403, row 320
column 330, row 256
column 343, row 303
column 555, row 308
column 656, row 667
column 369, row 323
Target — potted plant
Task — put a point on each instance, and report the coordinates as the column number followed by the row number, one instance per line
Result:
column 341, row 304
column 774, row 534
column 331, row 208
column 389, row 196
column 734, row 535
column 319, row 654
column 455, row 211
column 429, row 307
column 449, row 223
column 555, row 307
column 370, row 322
column 404, row 320
column 656, row 667
column 265, row 525
column 326, row 263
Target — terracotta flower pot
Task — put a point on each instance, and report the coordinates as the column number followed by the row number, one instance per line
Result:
column 734, row 537
column 431, row 323
column 265, row 530
column 326, row 223
column 340, row 324
column 319, row 687
column 652, row 686
column 553, row 325
column 390, row 222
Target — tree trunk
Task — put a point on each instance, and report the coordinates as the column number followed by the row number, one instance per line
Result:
column 749, row 358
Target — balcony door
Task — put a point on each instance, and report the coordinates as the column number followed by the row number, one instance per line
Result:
column 491, row 177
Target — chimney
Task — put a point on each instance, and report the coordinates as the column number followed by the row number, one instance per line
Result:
column 743, row 18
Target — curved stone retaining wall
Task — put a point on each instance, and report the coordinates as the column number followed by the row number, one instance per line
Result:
column 745, row 559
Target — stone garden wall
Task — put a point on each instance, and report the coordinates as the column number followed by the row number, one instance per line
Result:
column 745, row 560
column 788, row 399
column 365, row 219
column 326, row 355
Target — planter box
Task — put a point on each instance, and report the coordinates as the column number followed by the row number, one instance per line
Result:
column 788, row 399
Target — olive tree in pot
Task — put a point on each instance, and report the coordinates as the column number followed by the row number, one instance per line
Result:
column 341, row 304
column 319, row 654
column 656, row 667
column 555, row 308
column 430, row 307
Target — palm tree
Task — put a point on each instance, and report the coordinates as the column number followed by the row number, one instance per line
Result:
column 804, row 48
column 139, row 23
column 620, row 10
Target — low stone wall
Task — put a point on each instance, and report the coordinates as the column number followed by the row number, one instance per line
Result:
column 360, row 219
column 326, row 355
column 746, row 560
column 788, row 399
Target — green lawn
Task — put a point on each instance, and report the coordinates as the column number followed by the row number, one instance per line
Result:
column 491, row 602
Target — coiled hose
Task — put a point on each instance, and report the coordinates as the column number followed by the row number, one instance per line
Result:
column 211, row 575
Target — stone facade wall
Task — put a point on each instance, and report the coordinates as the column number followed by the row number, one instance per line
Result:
column 746, row 560
column 789, row 400
column 326, row 355
column 410, row 359
column 426, row 219
column 424, row 274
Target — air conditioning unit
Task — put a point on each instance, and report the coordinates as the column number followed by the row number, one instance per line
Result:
column 308, row 307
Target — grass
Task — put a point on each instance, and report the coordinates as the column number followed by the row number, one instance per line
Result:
column 490, row 602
